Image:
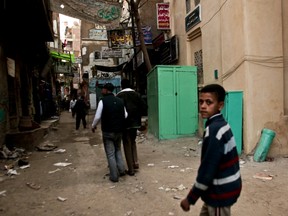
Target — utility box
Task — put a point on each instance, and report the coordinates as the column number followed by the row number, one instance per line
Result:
column 233, row 113
column 172, row 99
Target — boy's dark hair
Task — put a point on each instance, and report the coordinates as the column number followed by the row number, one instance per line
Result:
column 125, row 83
column 217, row 89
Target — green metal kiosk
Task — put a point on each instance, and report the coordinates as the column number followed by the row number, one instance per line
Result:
column 172, row 98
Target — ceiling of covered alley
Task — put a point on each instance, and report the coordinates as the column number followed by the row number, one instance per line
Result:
column 102, row 12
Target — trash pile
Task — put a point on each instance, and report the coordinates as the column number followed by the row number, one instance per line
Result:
column 13, row 160
column 17, row 158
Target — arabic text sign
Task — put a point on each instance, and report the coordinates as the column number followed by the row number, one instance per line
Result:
column 120, row 38
column 193, row 18
column 98, row 34
column 163, row 16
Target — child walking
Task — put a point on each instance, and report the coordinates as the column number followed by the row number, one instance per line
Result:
column 218, row 182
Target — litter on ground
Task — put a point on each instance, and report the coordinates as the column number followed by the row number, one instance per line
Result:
column 263, row 176
column 62, row 164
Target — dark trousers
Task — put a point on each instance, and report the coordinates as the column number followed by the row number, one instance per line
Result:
column 78, row 120
column 73, row 112
column 130, row 148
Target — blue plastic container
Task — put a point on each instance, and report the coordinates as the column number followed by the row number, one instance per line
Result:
column 264, row 144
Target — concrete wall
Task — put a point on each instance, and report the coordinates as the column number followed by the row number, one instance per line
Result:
column 264, row 69
column 148, row 16
column 285, row 52
column 177, row 11
column 245, row 41
column 90, row 45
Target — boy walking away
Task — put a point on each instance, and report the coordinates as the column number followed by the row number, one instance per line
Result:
column 135, row 107
column 81, row 108
column 218, row 182
column 112, row 113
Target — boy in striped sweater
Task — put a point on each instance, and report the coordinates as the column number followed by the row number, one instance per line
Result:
column 218, row 181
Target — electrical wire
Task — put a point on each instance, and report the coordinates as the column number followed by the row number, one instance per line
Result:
column 265, row 61
column 214, row 14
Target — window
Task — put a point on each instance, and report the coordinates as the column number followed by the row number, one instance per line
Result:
column 188, row 6
column 97, row 55
column 199, row 63
column 196, row 2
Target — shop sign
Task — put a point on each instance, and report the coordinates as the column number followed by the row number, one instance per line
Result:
column 147, row 33
column 63, row 67
column 163, row 16
column 98, row 34
column 193, row 18
column 120, row 38
column 111, row 53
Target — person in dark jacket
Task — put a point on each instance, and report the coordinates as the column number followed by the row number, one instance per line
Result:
column 112, row 113
column 135, row 106
column 81, row 108
column 218, row 181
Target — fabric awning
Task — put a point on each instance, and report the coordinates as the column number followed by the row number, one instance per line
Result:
column 64, row 56
column 114, row 69
column 102, row 12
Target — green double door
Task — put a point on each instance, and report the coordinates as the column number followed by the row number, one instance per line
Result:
column 172, row 101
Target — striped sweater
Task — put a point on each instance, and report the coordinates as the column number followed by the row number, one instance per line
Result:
column 218, row 181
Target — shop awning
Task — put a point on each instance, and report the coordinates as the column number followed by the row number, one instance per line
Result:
column 64, row 56
column 114, row 69
column 102, row 12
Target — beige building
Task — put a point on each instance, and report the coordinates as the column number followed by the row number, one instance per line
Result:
column 246, row 41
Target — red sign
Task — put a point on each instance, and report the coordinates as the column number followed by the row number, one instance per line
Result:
column 163, row 16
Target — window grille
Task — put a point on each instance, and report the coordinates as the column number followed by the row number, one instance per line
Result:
column 199, row 63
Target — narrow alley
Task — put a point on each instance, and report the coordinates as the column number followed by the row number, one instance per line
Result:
column 70, row 179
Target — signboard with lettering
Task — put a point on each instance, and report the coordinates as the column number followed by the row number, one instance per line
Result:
column 147, row 33
column 120, row 38
column 193, row 18
column 98, row 34
column 111, row 53
column 63, row 67
column 163, row 16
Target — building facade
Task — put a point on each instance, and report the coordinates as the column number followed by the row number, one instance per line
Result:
column 243, row 46
column 24, row 56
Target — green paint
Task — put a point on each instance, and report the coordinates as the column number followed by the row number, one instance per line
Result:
column 109, row 14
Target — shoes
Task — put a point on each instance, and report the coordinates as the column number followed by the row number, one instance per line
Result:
column 114, row 180
column 122, row 174
column 130, row 173
column 136, row 166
